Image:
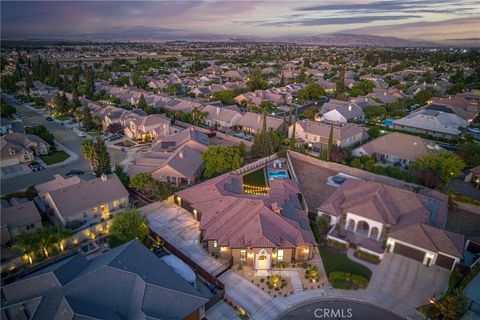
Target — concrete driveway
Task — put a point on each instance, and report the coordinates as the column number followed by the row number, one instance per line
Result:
column 177, row 226
column 400, row 279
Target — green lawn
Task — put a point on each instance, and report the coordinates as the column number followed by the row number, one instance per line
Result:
column 256, row 178
column 55, row 157
column 336, row 261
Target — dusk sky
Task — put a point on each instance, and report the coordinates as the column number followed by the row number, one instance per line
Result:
column 432, row 20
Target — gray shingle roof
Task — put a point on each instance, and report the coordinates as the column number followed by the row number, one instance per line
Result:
column 128, row 282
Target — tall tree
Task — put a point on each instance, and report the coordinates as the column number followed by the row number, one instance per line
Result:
column 330, row 143
column 128, row 225
column 28, row 83
column 89, row 83
column 102, row 158
column 88, row 152
column 87, row 119
column 293, row 137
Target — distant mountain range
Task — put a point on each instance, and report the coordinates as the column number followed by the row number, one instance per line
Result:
column 358, row 40
column 321, row 39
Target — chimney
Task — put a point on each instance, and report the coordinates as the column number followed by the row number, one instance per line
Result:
column 218, row 110
column 180, row 154
column 276, row 208
column 259, row 118
column 385, row 93
column 104, row 177
column 350, row 108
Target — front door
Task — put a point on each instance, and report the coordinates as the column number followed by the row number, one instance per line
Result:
column 262, row 263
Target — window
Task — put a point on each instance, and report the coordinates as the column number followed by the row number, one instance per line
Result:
column 215, row 243
column 280, row 255
column 30, row 226
column 243, row 255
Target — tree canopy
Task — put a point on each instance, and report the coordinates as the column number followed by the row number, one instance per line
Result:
column 150, row 187
column 436, row 169
column 128, row 225
column 219, row 159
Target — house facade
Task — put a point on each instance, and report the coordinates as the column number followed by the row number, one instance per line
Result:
column 255, row 230
column 378, row 218
column 316, row 134
column 20, row 148
column 397, row 149
column 19, row 218
column 88, row 201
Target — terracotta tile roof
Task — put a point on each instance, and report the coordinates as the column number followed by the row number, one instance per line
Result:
column 239, row 220
column 384, row 203
column 430, row 238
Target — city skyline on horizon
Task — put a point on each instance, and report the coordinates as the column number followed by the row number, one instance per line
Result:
column 441, row 21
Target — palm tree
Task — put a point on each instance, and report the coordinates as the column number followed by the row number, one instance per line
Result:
column 59, row 235
column 27, row 243
column 88, row 151
column 198, row 115
column 44, row 239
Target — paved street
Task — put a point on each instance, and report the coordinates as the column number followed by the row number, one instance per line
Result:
column 339, row 309
column 64, row 136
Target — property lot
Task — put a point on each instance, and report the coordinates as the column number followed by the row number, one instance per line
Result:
column 406, row 281
column 313, row 181
column 178, row 227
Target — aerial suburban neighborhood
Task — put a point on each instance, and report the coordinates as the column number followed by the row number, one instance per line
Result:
column 150, row 174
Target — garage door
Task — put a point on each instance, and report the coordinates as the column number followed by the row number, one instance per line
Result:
column 409, row 252
column 444, row 261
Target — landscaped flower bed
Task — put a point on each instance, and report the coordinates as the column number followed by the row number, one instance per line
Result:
column 274, row 285
column 367, row 256
column 345, row 280
column 311, row 277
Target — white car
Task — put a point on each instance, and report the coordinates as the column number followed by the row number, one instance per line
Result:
column 81, row 134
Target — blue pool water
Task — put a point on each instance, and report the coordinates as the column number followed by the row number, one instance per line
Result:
column 277, row 174
column 388, row 122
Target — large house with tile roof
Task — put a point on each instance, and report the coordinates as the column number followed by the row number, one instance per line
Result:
column 259, row 230
column 377, row 218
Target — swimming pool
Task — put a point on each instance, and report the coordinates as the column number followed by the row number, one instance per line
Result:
column 277, row 174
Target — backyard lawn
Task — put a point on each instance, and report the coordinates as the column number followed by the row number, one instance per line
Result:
column 55, row 157
column 336, row 261
column 256, row 178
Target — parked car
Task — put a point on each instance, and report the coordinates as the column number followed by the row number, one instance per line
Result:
column 49, row 118
column 34, row 125
column 75, row 172
column 81, row 134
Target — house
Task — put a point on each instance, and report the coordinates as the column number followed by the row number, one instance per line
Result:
column 327, row 85
column 474, row 177
column 341, row 111
column 19, row 218
column 397, row 149
column 316, row 134
column 221, row 117
column 433, row 120
column 148, row 127
column 128, row 282
column 465, row 108
column 58, row 182
column 378, row 218
column 257, row 230
column 20, row 148
column 252, row 122
column 5, row 126
column 176, row 159
column 234, row 75
column 88, row 201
